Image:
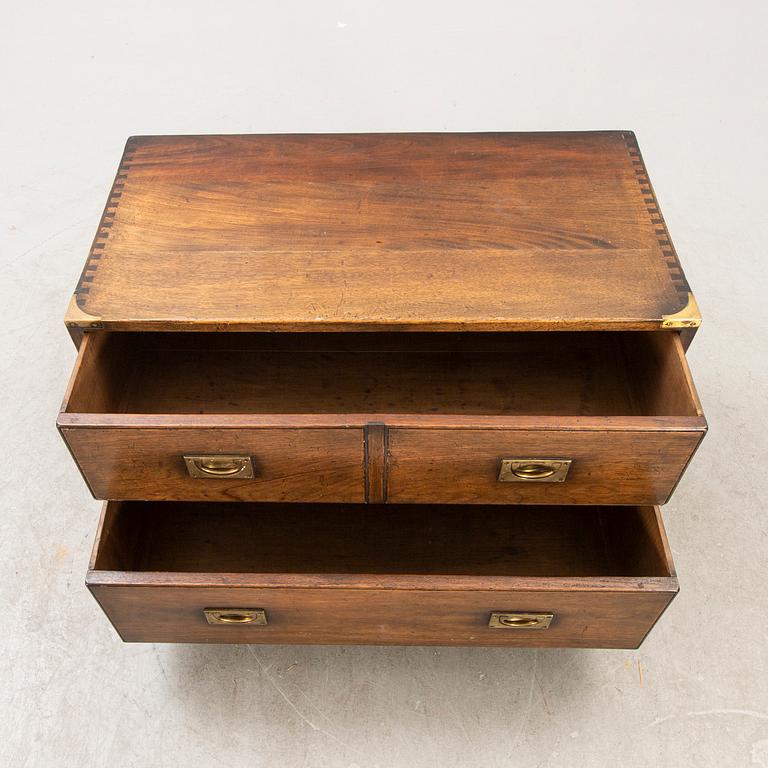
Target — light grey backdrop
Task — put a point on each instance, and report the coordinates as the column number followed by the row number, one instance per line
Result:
column 688, row 77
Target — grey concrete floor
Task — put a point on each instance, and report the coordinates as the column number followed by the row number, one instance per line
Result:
column 688, row 77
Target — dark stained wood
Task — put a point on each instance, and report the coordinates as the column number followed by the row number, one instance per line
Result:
column 496, row 231
column 462, row 466
column 96, row 376
column 422, row 421
column 661, row 379
column 376, row 463
column 655, row 549
column 433, row 539
column 394, row 574
column 157, row 614
column 386, row 439
column 450, row 405
column 289, row 464
column 558, row 374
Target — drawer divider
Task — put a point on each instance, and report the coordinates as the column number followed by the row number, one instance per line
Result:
column 376, row 436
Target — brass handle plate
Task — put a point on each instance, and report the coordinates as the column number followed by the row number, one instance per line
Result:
column 236, row 616
column 520, row 620
column 534, row 470
column 219, row 465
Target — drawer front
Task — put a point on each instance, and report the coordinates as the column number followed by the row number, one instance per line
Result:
column 608, row 467
column 166, row 614
column 288, row 464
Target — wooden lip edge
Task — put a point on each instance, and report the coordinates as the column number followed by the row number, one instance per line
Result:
column 413, row 583
column 689, row 317
column 143, row 138
column 391, row 421
column 86, row 322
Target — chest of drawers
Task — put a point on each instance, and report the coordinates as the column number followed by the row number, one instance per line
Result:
column 413, row 388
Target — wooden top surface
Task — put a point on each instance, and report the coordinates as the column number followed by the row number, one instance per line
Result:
column 505, row 231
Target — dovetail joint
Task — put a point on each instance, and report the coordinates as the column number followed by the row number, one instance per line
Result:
column 662, row 234
column 102, row 233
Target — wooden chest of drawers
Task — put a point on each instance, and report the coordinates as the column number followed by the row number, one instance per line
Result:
column 415, row 388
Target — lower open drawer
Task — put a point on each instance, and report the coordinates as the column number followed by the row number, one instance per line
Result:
column 592, row 577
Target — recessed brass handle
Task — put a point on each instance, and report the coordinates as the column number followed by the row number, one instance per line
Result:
column 219, row 465
column 534, row 470
column 520, row 620
column 236, row 616
column 508, row 621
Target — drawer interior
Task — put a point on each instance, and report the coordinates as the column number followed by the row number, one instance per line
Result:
column 558, row 374
column 556, row 541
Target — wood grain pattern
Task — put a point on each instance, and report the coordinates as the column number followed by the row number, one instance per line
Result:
column 156, row 614
column 553, row 374
column 381, row 231
column 621, row 405
column 462, row 466
column 376, row 462
column 399, row 433
column 289, row 464
column 433, row 539
column 605, row 573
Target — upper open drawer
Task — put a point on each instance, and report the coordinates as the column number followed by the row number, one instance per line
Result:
column 484, row 231
column 406, row 417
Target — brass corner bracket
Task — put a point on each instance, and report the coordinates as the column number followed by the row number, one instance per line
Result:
column 688, row 317
column 77, row 318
